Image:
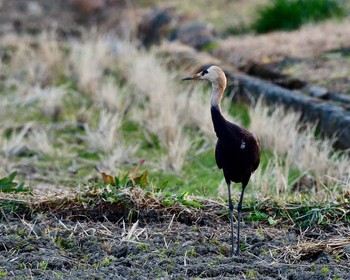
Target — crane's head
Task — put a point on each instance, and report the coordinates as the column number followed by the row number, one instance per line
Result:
column 212, row 73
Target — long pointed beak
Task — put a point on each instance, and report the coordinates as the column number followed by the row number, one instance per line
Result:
column 193, row 77
column 187, row 78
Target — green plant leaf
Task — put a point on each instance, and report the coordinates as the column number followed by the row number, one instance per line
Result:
column 192, row 203
column 257, row 216
column 271, row 221
column 7, row 185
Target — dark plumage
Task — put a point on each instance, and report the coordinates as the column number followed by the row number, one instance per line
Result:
column 237, row 151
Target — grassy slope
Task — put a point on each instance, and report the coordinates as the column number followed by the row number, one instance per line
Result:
column 102, row 103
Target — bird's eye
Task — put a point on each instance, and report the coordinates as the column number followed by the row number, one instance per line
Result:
column 204, row 72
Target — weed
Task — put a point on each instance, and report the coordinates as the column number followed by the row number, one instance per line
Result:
column 58, row 274
column 43, row 265
column 3, row 273
column 338, row 257
column 117, row 189
column 144, row 247
column 8, row 186
column 325, row 270
column 22, row 232
column 272, row 221
column 223, row 249
column 251, row 274
column 105, row 262
column 192, row 252
column 256, row 216
column 63, row 243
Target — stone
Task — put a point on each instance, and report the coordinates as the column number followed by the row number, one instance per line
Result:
column 154, row 25
column 196, row 34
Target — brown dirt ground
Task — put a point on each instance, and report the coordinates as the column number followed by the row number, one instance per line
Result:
column 165, row 243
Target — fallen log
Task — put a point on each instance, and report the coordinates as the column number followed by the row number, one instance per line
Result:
column 332, row 120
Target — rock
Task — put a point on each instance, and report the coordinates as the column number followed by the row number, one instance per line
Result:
column 88, row 7
column 159, row 23
column 154, row 26
column 305, row 184
column 196, row 34
column 187, row 243
column 346, row 249
column 120, row 251
column 202, row 250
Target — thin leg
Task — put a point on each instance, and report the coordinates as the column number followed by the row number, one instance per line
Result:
column 230, row 206
column 239, row 209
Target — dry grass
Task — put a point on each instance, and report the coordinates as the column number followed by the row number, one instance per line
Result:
column 34, row 61
column 295, row 146
column 309, row 41
column 115, row 83
column 327, row 70
column 306, row 249
column 107, row 133
column 41, row 142
column 168, row 108
column 15, row 144
column 89, row 59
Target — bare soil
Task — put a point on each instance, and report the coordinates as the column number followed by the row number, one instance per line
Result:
column 157, row 245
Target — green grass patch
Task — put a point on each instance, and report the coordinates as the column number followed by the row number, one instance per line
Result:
column 291, row 14
column 240, row 111
column 302, row 214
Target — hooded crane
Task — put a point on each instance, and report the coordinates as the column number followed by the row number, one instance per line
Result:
column 237, row 151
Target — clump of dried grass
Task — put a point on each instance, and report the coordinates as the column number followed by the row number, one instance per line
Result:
column 108, row 141
column 122, row 153
column 169, row 108
column 306, row 250
column 89, row 59
column 295, row 146
column 50, row 99
column 158, row 95
column 39, row 141
column 113, row 97
column 106, row 135
column 273, row 178
column 16, row 143
column 34, row 60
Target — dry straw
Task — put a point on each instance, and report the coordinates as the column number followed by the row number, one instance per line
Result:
column 116, row 82
column 294, row 146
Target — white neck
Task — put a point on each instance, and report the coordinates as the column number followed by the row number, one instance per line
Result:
column 216, row 96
